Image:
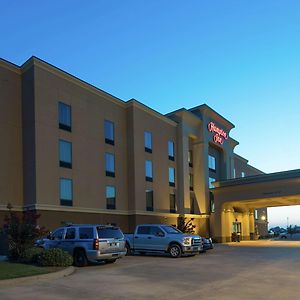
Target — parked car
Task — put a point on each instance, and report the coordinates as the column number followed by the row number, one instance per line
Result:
column 288, row 236
column 207, row 244
column 163, row 239
column 87, row 243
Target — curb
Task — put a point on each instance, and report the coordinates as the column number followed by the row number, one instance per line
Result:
column 43, row 277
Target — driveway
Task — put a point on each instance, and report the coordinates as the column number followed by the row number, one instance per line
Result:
column 246, row 270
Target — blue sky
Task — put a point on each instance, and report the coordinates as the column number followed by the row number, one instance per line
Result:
column 239, row 57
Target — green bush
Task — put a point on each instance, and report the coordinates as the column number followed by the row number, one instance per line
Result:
column 55, row 257
column 31, row 255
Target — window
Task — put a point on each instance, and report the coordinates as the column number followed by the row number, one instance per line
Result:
column 243, row 174
column 65, row 154
column 210, row 182
column 110, row 233
column 66, row 191
column 86, row 233
column 149, row 200
column 110, row 164
column 144, row 230
column 190, row 158
column 255, row 214
column 211, row 163
column 171, row 150
column 171, row 176
column 148, row 141
column 234, row 173
column 70, row 234
column 58, row 234
column 156, row 231
column 191, row 180
column 148, row 170
column 64, row 112
column 212, row 202
column 109, row 132
column 172, row 203
column 192, row 199
column 110, row 197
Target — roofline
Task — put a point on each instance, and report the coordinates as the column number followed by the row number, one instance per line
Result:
column 10, row 66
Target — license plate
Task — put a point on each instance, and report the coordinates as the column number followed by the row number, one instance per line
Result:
column 114, row 244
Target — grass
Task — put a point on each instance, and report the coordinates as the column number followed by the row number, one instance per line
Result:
column 10, row 270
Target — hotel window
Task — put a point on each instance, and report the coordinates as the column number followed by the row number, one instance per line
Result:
column 190, row 158
column 66, row 191
column 64, row 112
column 210, row 182
column 148, row 141
column 148, row 170
column 255, row 214
column 149, row 200
column 109, row 131
column 110, row 164
column 191, row 181
column 171, row 152
column 212, row 202
column 173, row 203
column 243, row 174
column 65, row 154
column 171, row 176
column 211, row 163
column 110, row 197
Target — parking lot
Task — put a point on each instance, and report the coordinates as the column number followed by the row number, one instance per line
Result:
column 246, row 270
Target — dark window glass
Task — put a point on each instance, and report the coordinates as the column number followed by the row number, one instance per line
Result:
column 110, row 197
column 155, row 230
column 144, row 230
column 210, row 182
column 149, row 200
column 171, row 152
column 192, row 199
column 171, row 176
column 148, row 141
column 148, row 170
column 65, row 154
column 190, row 158
column 191, row 179
column 110, row 233
column 171, row 230
column 58, row 234
column 172, row 203
column 66, row 191
column 211, row 162
column 86, row 233
column 110, row 164
column 64, row 111
column 70, row 234
column 212, row 202
column 109, row 132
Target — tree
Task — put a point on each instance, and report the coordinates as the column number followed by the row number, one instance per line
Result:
column 184, row 225
column 22, row 231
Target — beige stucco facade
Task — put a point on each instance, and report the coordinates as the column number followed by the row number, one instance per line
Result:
column 30, row 169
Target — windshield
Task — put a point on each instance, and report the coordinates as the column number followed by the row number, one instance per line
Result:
column 171, row 230
column 109, row 233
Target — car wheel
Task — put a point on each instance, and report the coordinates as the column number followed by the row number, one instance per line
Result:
column 110, row 261
column 80, row 259
column 175, row 251
column 128, row 250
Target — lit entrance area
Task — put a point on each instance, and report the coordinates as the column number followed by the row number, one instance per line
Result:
column 236, row 200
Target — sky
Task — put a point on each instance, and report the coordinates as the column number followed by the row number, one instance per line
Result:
column 242, row 58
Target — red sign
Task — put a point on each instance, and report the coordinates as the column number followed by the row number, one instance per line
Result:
column 219, row 133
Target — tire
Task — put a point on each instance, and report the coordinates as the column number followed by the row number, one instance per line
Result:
column 175, row 251
column 111, row 261
column 80, row 259
column 128, row 250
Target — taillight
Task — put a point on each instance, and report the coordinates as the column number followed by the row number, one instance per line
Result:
column 96, row 244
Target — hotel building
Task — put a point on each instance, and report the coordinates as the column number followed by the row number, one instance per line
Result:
column 75, row 153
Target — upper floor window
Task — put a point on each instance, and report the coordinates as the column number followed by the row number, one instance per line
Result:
column 149, row 200
column 109, row 130
column 66, row 191
column 191, row 181
column 65, row 120
column 243, row 174
column 110, row 197
column 171, row 152
column 190, row 158
column 148, row 141
column 110, row 164
column 171, row 176
column 65, row 154
column 211, row 162
column 210, row 182
column 172, row 203
column 148, row 170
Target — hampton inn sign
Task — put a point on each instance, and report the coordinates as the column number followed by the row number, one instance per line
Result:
column 219, row 134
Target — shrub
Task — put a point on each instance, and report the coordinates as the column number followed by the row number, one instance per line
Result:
column 31, row 255
column 55, row 257
column 184, row 225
